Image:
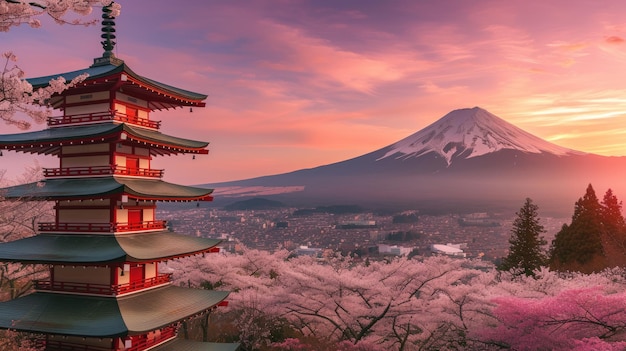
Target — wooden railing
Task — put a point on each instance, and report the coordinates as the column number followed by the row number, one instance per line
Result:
column 145, row 343
column 101, row 227
column 138, row 344
column 102, row 289
column 60, row 345
column 101, row 170
column 100, row 117
column 146, row 225
column 76, row 227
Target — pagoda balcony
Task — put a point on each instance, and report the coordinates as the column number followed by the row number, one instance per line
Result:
column 102, row 289
column 101, row 227
column 100, row 171
column 97, row 117
column 166, row 334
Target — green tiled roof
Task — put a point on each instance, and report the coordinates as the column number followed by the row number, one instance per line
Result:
column 88, row 249
column 42, row 139
column 96, row 72
column 77, row 188
column 94, row 316
column 190, row 345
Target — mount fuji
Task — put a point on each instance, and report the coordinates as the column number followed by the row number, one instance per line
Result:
column 470, row 133
column 468, row 160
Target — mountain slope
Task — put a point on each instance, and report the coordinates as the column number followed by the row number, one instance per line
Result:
column 469, row 133
column 469, row 159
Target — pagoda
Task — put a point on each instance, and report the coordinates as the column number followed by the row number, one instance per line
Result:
column 105, row 290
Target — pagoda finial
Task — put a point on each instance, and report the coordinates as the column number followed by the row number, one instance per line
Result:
column 108, row 31
column 108, row 34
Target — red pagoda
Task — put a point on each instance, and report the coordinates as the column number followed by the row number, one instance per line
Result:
column 105, row 290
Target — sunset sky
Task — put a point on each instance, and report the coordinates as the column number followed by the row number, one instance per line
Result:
column 296, row 84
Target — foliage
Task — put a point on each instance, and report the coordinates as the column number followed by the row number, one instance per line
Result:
column 433, row 303
column 17, row 96
column 613, row 235
column 573, row 319
column 596, row 237
column 577, row 244
column 16, row 12
column 526, row 254
column 19, row 219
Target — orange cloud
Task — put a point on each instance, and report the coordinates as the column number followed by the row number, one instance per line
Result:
column 613, row 39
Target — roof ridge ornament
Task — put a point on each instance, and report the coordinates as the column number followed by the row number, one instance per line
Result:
column 108, row 34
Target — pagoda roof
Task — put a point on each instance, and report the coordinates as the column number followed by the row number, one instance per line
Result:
column 86, row 249
column 94, row 316
column 105, row 187
column 50, row 140
column 191, row 345
column 116, row 75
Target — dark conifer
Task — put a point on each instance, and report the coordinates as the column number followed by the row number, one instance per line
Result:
column 580, row 242
column 613, row 229
column 526, row 254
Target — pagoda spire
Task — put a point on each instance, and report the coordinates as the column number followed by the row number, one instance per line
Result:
column 108, row 31
column 108, row 34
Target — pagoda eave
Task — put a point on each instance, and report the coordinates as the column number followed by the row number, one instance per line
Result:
column 90, row 249
column 50, row 141
column 112, row 77
column 102, row 317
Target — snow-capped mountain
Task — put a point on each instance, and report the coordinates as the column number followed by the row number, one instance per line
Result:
column 468, row 159
column 469, row 133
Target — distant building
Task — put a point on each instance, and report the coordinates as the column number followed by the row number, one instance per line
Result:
column 449, row 249
column 394, row 250
column 308, row 251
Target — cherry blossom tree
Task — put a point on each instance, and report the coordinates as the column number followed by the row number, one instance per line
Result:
column 16, row 12
column 20, row 219
column 19, row 102
column 575, row 319
column 428, row 303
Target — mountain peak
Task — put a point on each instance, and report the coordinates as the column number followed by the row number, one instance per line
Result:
column 471, row 132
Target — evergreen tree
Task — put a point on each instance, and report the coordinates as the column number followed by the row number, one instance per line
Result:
column 613, row 229
column 578, row 243
column 526, row 254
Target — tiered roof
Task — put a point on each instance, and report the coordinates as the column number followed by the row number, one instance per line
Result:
column 102, row 187
column 96, row 316
column 49, row 141
column 84, row 249
column 114, row 74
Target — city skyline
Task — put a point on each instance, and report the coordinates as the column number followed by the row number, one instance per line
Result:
column 298, row 84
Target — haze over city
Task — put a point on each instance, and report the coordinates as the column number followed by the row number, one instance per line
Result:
column 298, row 84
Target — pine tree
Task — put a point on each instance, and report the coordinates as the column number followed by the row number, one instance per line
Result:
column 613, row 229
column 578, row 243
column 526, row 254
